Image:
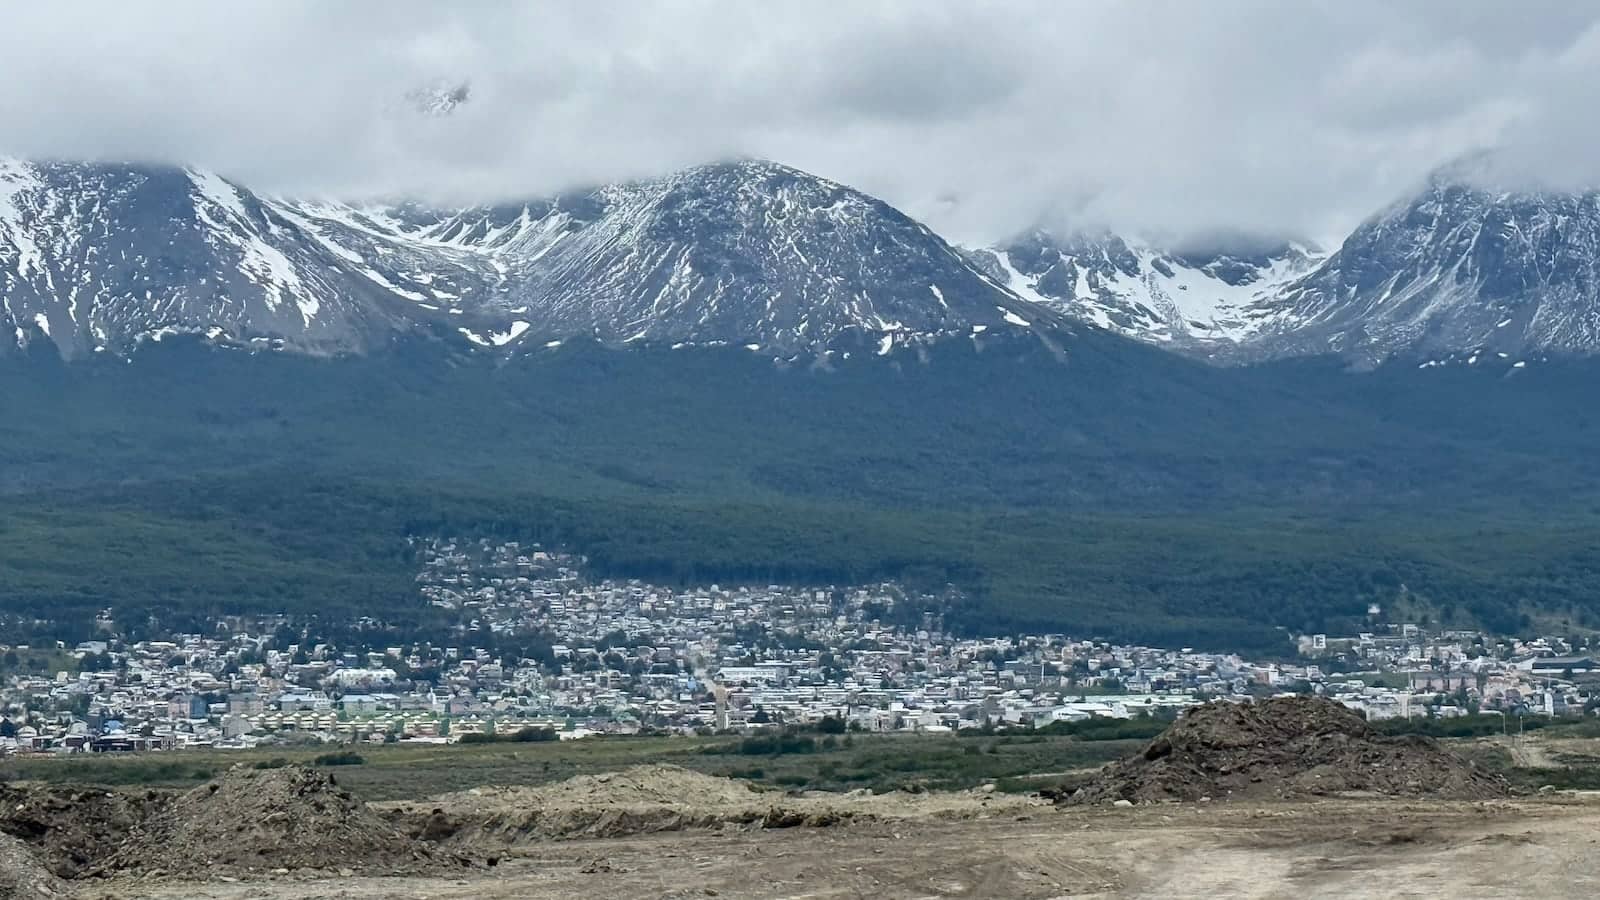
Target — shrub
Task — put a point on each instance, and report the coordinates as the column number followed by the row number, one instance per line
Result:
column 530, row 734
column 831, row 725
column 776, row 744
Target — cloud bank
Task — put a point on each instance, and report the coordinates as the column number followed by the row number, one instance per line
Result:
column 980, row 118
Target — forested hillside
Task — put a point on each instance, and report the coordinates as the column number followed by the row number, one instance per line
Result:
column 1107, row 489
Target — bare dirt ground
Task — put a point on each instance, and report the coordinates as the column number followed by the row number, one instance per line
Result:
column 652, row 798
column 1319, row 848
column 1285, row 798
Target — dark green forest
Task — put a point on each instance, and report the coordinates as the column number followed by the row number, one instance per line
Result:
column 1100, row 487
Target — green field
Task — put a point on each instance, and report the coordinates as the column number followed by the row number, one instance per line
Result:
column 401, row 772
column 1013, row 762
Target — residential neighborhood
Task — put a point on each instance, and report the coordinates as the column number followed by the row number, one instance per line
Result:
column 542, row 644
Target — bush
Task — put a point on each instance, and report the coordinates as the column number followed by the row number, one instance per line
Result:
column 776, row 744
column 530, row 734
column 1100, row 729
column 341, row 758
column 1479, row 725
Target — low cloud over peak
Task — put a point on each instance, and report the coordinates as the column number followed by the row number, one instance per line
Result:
column 983, row 119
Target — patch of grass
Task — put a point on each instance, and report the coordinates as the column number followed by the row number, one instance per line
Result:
column 411, row 772
column 1574, row 728
column 1566, row 778
column 1097, row 729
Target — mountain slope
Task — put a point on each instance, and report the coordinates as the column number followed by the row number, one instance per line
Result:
column 1192, row 301
column 100, row 257
column 1456, row 268
column 746, row 252
column 1128, row 491
column 103, row 256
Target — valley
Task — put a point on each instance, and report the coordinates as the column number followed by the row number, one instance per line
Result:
column 713, row 449
column 199, row 481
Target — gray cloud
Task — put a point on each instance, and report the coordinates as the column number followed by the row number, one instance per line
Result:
column 982, row 118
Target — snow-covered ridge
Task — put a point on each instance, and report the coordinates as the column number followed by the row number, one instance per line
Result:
column 1456, row 267
column 101, row 257
column 747, row 252
column 1142, row 291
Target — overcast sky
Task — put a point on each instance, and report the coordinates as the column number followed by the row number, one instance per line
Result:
column 1287, row 117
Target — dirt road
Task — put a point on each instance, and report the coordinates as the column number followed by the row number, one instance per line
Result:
column 1327, row 848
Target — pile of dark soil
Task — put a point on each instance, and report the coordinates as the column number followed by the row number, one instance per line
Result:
column 22, row 876
column 71, row 829
column 1285, row 748
column 287, row 818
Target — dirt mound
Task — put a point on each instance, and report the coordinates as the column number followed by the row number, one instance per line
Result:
column 69, row 828
column 287, row 818
column 637, row 800
column 1282, row 748
column 651, row 785
column 22, row 876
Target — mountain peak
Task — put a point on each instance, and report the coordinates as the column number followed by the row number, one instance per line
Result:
column 750, row 252
column 1456, row 266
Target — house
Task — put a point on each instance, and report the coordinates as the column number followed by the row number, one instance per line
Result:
column 1555, row 665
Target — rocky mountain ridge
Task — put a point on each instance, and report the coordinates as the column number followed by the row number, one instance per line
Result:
column 1457, row 270
column 99, row 258
column 1192, row 301
column 102, row 257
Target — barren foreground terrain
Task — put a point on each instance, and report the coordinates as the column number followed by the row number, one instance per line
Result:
column 1322, row 848
column 1287, row 797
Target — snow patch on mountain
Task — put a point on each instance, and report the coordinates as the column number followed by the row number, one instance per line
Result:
column 221, row 208
column 1458, row 266
column 1153, row 294
column 97, row 257
column 731, row 252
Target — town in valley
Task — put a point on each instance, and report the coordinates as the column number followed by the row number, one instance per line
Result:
column 544, row 645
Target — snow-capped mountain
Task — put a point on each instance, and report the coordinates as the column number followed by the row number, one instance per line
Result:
column 101, row 257
column 752, row 252
column 1188, row 300
column 1457, row 268
column 105, row 256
